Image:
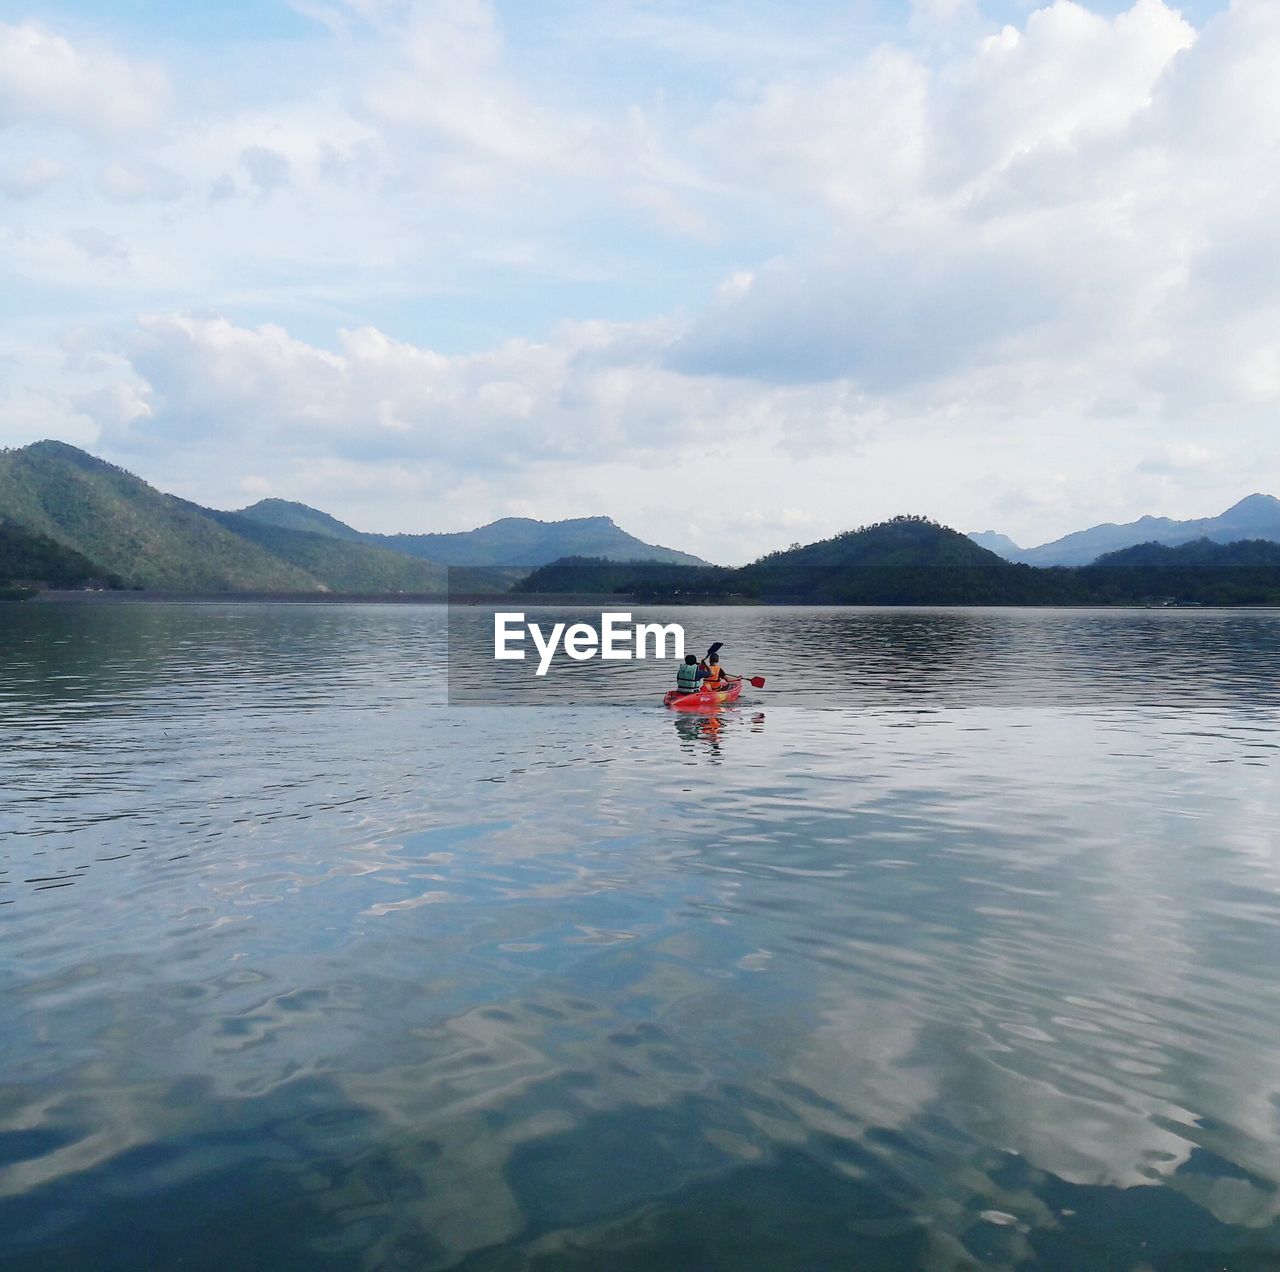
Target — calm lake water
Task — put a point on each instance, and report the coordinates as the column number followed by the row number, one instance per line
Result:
column 956, row 946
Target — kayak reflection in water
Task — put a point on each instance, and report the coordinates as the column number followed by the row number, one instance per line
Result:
column 701, row 728
column 712, row 727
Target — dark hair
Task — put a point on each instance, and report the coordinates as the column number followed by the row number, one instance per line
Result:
column 713, row 658
column 690, row 658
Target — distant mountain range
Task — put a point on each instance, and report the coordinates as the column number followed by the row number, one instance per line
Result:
column 914, row 561
column 68, row 519
column 127, row 528
column 512, row 541
column 121, row 530
column 905, row 561
column 1255, row 517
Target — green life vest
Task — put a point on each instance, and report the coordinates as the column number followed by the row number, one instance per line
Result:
column 687, row 677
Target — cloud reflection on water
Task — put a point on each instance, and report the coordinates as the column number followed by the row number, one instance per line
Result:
column 451, row 980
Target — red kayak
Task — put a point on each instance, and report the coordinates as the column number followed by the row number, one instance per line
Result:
column 702, row 699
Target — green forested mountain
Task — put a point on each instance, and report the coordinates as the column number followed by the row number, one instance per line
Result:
column 26, row 557
column 1201, row 572
column 341, row 565
column 526, row 542
column 1198, row 553
column 149, row 539
column 67, row 518
column 908, row 560
column 512, row 541
column 912, row 561
column 637, row 578
column 162, row 543
column 288, row 515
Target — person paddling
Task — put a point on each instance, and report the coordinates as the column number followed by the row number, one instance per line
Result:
column 694, row 679
column 714, row 677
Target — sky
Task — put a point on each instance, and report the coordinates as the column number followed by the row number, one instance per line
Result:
column 735, row 274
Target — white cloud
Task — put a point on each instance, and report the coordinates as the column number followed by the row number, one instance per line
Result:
column 30, row 177
column 140, row 181
column 268, row 169
column 856, row 139
column 558, row 427
column 1179, row 457
column 985, row 213
column 589, row 388
column 932, row 13
column 113, row 406
column 98, row 244
column 1022, row 265
column 450, row 86
column 45, row 78
column 1070, row 77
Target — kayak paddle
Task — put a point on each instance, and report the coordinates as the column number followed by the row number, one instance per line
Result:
column 756, row 681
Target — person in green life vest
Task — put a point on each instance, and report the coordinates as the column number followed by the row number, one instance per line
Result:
column 687, row 675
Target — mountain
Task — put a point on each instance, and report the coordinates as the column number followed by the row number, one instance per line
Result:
column 1254, row 517
column 1000, row 544
column 901, row 541
column 913, row 561
column 1199, row 553
column 130, row 529
column 513, row 541
column 67, row 518
column 34, row 558
column 523, row 541
column 297, row 516
column 340, row 564
column 659, row 579
column 905, row 561
column 1200, row 572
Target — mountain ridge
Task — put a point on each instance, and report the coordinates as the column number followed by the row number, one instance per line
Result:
column 915, row 561
column 1256, row 516
column 526, row 542
column 131, row 533
column 140, row 536
column 130, row 529
column 341, row 565
column 904, row 561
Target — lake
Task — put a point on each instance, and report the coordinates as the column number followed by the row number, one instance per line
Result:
column 955, row 946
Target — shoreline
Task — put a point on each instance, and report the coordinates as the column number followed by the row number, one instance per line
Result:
column 53, row 596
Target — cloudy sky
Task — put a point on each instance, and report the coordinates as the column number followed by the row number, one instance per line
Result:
column 736, row 274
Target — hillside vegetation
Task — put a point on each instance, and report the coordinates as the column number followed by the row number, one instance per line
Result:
column 511, row 541
column 1197, row 573
column 914, row 561
column 159, row 542
column 69, row 518
column 26, row 557
column 341, row 565
column 148, row 539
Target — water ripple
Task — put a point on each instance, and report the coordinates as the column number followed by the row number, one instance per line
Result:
column 972, row 966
